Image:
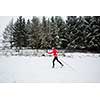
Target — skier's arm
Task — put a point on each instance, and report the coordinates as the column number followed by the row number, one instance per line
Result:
column 50, row 52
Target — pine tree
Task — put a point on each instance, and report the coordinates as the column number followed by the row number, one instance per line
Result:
column 94, row 42
column 71, row 32
column 54, row 33
column 36, row 33
column 19, row 34
column 29, row 33
column 8, row 36
column 61, row 30
column 45, row 34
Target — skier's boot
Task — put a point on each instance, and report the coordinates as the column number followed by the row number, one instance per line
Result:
column 52, row 66
column 62, row 65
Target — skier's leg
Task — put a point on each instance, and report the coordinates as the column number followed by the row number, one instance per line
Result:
column 53, row 62
column 59, row 61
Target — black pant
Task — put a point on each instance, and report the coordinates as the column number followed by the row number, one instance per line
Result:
column 56, row 58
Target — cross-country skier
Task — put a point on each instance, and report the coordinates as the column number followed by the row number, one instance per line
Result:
column 55, row 54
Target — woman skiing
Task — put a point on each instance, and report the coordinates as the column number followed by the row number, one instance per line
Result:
column 55, row 54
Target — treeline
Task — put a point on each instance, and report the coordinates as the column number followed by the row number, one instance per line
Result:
column 73, row 33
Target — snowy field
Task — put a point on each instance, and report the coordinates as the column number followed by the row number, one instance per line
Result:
column 78, row 67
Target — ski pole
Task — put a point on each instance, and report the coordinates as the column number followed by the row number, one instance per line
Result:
column 68, row 65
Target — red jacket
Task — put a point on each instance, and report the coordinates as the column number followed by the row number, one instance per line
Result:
column 54, row 52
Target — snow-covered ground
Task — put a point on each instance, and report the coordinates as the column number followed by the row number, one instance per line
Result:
column 78, row 67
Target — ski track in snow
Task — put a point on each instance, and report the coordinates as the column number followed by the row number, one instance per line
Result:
column 20, row 69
